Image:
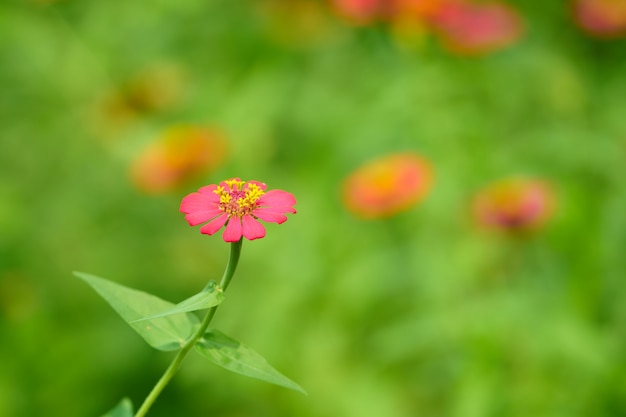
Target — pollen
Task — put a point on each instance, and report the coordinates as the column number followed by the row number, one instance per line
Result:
column 235, row 184
column 238, row 198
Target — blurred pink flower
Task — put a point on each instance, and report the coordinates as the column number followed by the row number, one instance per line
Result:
column 387, row 186
column 601, row 18
column 238, row 205
column 514, row 204
column 476, row 28
column 182, row 154
column 360, row 12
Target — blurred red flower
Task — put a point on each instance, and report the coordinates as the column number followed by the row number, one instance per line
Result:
column 601, row 18
column 387, row 185
column 182, row 154
column 476, row 28
column 238, row 205
column 514, row 204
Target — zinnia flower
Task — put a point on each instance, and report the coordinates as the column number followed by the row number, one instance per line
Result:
column 238, row 205
column 360, row 12
column 416, row 9
column 601, row 18
column 387, row 186
column 514, row 204
column 476, row 28
column 182, row 154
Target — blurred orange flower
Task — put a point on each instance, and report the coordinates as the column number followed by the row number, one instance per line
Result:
column 156, row 88
column 476, row 28
column 182, row 154
column 416, row 9
column 409, row 20
column 297, row 23
column 387, row 185
column 360, row 12
column 514, row 204
column 368, row 11
column 602, row 18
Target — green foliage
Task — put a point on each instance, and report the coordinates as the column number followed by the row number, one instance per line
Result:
column 139, row 310
column 123, row 409
column 173, row 326
column 235, row 357
column 211, row 297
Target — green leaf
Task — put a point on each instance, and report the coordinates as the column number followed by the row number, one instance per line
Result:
column 167, row 333
column 206, row 299
column 235, row 357
column 123, row 409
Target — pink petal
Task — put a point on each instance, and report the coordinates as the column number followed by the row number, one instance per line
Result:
column 279, row 200
column 233, row 231
column 270, row 215
column 214, row 225
column 198, row 217
column 209, row 190
column 198, row 202
column 252, row 229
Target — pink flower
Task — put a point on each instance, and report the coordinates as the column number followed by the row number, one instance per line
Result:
column 238, row 205
column 476, row 28
column 514, row 204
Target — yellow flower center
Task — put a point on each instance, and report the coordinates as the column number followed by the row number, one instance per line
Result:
column 237, row 200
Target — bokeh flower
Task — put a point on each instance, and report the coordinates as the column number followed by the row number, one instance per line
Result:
column 409, row 21
column 296, row 23
column 514, row 204
column 157, row 88
column 360, row 12
column 181, row 155
column 464, row 26
column 476, row 28
column 417, row 9
column 365, row 12
column 387, row 185
column 601, row 18
column 238, row 205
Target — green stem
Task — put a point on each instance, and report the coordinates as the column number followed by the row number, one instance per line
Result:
column 235, row 251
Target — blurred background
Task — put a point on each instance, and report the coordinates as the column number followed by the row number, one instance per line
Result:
column 484, row 278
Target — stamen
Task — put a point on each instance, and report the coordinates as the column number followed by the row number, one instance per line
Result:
column 234, row 184
column 238, row 201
